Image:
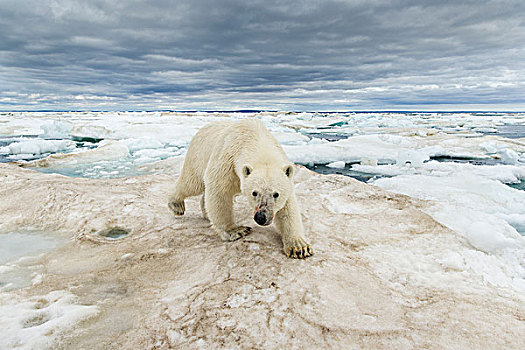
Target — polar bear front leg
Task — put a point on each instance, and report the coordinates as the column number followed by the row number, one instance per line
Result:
column 219, row 207
column 288, row 221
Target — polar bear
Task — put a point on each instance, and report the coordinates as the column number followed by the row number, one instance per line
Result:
column 227, row 158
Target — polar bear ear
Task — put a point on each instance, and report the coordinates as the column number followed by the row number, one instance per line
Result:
column 288, row 170
column 246, row 170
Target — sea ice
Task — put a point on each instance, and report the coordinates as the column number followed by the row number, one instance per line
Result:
column 134, row 141
column 39, row 146
column 412, row 158
column 484, row 211
column 337, row 165
column 56, row 129
column 387, row 273
column 15, row 245
column 19, row 257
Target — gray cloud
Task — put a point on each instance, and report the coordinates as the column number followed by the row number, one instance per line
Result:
column 302, row 55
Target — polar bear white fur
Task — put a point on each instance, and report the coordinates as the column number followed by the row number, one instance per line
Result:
column 227, row 158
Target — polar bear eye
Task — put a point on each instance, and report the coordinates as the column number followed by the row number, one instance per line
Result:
column 275, row 195
column 254, row 193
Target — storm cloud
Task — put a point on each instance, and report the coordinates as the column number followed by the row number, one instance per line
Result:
column 286, row 55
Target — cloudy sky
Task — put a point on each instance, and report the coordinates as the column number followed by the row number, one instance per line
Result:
column 262, row 54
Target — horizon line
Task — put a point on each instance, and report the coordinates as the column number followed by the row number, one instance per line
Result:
column 253, row 111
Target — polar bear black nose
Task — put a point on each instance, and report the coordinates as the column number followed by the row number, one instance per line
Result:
column 260, row 218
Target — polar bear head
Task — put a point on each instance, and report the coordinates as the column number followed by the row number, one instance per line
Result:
column 267, row 189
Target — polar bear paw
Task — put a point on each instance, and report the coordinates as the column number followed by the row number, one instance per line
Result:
column 297, row 248
column 177, row 208
column 235, row 233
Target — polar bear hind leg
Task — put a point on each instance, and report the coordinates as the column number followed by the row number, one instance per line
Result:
column 188, row 185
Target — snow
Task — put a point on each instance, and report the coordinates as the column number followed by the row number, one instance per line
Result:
column 501, row 173
column 412, row 158
column 387, row 148
column 508, row 156
column 485, row 211
column 38, row 146
column 37, row 322
column 487, row 203
column 142, row 143
column 290, row 138
column 56, row 129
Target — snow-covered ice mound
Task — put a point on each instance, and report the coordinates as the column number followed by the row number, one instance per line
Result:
column 385, row 273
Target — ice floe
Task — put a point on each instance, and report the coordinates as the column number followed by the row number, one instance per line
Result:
column 38, row 146
column 336, row 165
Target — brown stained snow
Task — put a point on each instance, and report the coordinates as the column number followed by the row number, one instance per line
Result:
column 375, row 280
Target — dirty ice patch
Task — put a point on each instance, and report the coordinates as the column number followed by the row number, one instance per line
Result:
column 38, row 322
column 344, row 205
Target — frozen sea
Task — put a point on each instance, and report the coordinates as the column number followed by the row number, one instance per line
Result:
column 475, row 160
column 470, row 166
